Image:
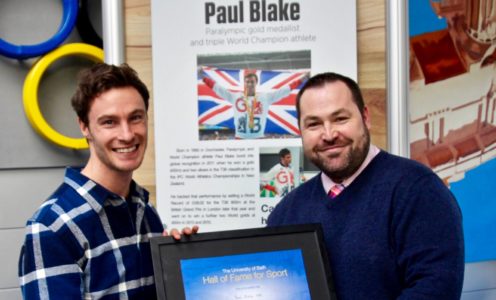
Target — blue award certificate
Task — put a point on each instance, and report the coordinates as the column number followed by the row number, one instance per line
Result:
column 271, row 263
column 265, row 275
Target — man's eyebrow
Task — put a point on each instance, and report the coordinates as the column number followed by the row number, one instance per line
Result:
column 310, row 118
column 107, row 116
column 340, row 111
column 333, row 114
column 138, row 110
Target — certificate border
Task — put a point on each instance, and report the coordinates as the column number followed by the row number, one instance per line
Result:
column 167, row 253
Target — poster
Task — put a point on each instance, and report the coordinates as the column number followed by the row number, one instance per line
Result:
column 452, row 105
column 225, row 77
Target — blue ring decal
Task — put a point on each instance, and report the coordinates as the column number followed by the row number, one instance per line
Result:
column 27, row 51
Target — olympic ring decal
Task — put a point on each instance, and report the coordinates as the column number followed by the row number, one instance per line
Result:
column 30, row 92
column 85, row 27
column 27, row 51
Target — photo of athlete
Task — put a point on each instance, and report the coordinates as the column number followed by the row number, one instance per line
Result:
column 249, row 106
column 281, row 171
column 280, row 178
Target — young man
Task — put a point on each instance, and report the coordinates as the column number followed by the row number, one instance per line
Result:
column 280, row 178
column 391, row 227
column 251, row 108
column 90, row 239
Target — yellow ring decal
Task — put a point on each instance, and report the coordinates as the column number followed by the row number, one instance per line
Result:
column 30, row 92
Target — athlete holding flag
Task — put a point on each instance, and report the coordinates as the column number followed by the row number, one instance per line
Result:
column 251, row 108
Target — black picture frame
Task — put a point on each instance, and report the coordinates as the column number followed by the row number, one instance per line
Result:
column 244, row 264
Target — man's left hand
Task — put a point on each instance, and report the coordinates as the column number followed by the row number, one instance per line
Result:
column 176, row 234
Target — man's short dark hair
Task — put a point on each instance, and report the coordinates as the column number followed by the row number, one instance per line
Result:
column 283, row 152
column 322, row 79
column 254, row 75
column 101, row 78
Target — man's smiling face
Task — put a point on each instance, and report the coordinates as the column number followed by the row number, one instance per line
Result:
column 117, row 130
column 335, row 134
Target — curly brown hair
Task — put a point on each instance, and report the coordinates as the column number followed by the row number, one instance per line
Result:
column 100, row 78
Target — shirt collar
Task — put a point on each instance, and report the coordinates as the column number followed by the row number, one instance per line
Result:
column 328, row 183
column 87, row 187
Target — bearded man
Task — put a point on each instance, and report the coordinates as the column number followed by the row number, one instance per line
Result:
column 392, row 229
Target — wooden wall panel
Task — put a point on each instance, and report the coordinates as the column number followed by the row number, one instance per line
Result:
column 371, row 68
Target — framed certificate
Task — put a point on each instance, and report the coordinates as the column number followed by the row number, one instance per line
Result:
column 288, row 262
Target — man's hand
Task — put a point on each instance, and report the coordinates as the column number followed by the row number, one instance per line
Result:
column 176, row 234
column 199, row 72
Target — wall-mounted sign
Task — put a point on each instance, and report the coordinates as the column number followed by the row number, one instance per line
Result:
column 225, row 76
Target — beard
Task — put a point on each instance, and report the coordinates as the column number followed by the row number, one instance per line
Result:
column 345, row 164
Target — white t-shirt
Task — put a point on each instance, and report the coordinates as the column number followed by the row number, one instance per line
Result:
column 282, row 179
column 246, row 126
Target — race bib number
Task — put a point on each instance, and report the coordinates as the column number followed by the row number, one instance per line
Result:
column 243, row 125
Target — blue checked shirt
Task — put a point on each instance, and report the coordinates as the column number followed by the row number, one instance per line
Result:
column 85, row 242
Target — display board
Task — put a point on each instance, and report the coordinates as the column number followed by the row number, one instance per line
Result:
column 209, row 131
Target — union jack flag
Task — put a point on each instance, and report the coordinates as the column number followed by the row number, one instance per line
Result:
column 217, row 113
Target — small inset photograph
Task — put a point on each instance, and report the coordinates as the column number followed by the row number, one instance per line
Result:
column 281, row 170
column 250, row 96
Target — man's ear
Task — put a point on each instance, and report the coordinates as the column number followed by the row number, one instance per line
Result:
column 366, row 117
column 84, row 129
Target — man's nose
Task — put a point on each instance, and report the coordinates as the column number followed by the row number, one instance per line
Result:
column 126, row 133
column 330, row 132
